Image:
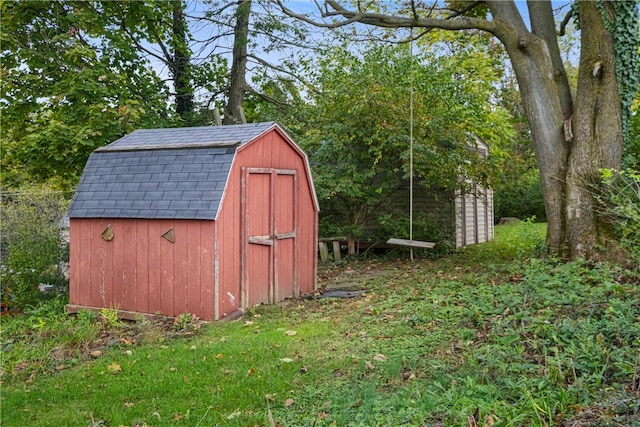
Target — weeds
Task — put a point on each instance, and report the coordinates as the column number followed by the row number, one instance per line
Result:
column 30, row 248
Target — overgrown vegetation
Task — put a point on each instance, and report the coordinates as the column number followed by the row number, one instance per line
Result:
column 619, row 199
column 492, row 335
column 31, row 250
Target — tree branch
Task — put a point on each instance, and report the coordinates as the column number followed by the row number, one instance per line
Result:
column 277, row 68
column 334, row 9
column 315, row 23
column 565, row 22
column 465, row 10
column 139, row 46
column 281, row 105
column 169, row 60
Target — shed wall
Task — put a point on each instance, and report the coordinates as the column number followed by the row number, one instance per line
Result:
column 474, row 216
column 271, row 150
column 139, row 270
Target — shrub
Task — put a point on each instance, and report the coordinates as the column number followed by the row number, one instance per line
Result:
column 619, row 200
column 521, row 199
column 30, row 247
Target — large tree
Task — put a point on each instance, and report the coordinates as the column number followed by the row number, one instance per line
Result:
column 573, row 136
column 70, row 84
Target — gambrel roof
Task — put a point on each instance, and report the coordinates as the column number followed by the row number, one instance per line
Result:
column 176, row 173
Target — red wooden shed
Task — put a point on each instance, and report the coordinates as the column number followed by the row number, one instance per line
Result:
column 201, row 220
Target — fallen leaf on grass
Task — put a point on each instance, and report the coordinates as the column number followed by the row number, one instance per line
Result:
column 290, row 333
column 234, row 414
column 114, row 368
column 286, row 360
column 251, row 371
column 128, row 404
column 95, row 354
column 288, row 403
column 380, row 357
column 219, row 356
column 369, row 366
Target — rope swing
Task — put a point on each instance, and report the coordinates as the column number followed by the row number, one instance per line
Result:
column 411, row 244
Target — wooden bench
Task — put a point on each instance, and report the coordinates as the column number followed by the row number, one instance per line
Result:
column 323, row 248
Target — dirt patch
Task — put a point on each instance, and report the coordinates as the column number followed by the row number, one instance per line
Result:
column 356, row 275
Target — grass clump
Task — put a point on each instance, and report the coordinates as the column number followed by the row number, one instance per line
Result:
column 517, row 341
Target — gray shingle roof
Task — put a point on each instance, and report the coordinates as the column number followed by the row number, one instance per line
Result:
column 177, row 173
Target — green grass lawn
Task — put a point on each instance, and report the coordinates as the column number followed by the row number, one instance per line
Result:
column 494, row 335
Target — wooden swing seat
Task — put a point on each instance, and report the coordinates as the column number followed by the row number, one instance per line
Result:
column 410, row 243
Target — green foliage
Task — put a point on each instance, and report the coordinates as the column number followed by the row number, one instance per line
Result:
column 31, row 246
column 622, row 20
column 357, row 129
column 71, row 83
column 632, row 159
column 521, row 199
column 619, row 202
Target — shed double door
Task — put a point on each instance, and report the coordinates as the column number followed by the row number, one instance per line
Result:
column 268, row 261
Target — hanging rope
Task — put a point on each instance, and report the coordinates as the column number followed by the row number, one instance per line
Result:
column 404, row 242
column 411, row 142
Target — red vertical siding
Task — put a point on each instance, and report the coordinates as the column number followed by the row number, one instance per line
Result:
column 154, row 265
column 259, row 256
column 269, row 151
column 101, row 267
column 285, row 224
column 167, row 268
column 193, row 279
column 129, row 283
column 76, row 267
column 140, row 271
column 118, row 260
column 142, row 268
column 208, row 235
column 180, row 268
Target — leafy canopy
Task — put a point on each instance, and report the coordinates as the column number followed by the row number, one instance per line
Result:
column 358, row 123
column 71, row 83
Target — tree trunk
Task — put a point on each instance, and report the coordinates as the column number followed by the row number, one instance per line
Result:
column 237, row 87
column 547, row 104
column 180, row 66
column 570, row 148
column 597, row 129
